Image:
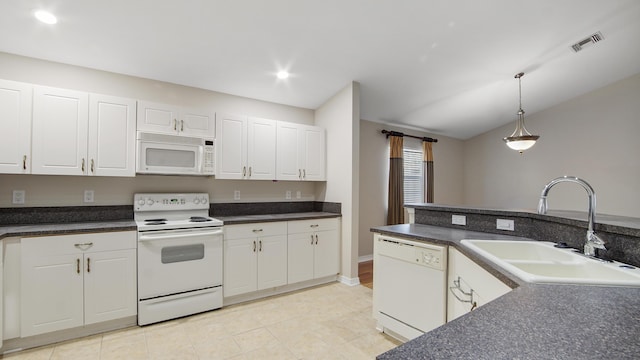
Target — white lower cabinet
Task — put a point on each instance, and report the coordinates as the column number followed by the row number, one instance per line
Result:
column 255, row 257
column 470, row 286
column 314, row 249
column 74, row 280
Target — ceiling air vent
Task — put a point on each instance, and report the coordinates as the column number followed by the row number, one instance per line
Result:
column 586, row 42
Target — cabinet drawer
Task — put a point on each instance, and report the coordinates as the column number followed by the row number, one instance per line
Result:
column 244, row 231
column 66, row 244
column 301, row 226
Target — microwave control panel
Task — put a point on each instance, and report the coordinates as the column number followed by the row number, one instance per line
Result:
column 209, row 158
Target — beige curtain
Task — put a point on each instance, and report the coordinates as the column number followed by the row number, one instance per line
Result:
column 395, row 212
column 427, row 167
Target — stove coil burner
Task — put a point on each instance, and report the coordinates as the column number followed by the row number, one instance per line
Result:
column 199, row 219
column 155, row 222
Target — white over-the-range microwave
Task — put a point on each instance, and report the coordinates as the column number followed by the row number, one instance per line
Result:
column 174, row 155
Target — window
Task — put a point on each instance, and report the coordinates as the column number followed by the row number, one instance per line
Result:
column 413, row 176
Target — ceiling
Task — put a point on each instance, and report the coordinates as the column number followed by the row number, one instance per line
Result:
column 444, row 66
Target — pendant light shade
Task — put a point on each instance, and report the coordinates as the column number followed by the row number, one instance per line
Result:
column 521, row 139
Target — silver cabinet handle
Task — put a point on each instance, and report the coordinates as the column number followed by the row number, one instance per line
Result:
column 82, row 167
column 24, row 162
column 256, row 230
column 78, row 266
column 260, row 245
column 88, row 265
column 304, row 173
column 316, row 239
column 93, row 168
column 175, row 124
column 83, row 246
column 456, row 288
column 244, row 171
column 299, row 174
column 181, row 125
column 314, row 225
column 311, row 239
column 249, row 171
column 254, row 246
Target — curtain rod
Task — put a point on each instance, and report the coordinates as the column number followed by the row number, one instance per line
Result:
column 396, row 133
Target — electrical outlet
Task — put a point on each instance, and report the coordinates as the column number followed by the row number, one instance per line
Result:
column 236, row 195
column 287, row 195
column 298, row 194
column 503, row 224
column 458, row 220
column 88, row 196
column 19, row 196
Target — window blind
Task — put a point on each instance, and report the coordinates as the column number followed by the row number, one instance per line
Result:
column 413, row 176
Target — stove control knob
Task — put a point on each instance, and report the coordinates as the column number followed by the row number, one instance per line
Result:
column 141, row 202
column 150, row 202
column 196, row 201
column 203, row 200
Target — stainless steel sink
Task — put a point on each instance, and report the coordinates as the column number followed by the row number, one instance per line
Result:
column 541, row 262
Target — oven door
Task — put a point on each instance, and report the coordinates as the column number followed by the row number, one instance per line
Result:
column 173, row 158
column 174, row 261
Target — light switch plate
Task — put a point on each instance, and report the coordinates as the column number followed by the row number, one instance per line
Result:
column 88, row 196
column 503, row 224
column 458, row 220
column 298, row 194
column 236, row 195
column 287, row 195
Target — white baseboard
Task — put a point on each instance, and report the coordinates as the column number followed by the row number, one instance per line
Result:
column 349, row 281
column 364, row 258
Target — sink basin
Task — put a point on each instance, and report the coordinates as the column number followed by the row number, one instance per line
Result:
column 541, row 262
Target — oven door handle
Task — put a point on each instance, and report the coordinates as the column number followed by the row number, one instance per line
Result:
column 163, row 236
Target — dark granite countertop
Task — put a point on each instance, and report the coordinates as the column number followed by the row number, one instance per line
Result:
column 66, row 228
column 534, row 321
column 245, row 219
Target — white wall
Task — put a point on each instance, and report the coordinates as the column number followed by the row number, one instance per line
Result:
column 594, row 136
column 68, row 190
column 340, row 116
column 374, row 175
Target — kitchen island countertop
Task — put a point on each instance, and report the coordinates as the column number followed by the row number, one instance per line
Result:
column 534, row 321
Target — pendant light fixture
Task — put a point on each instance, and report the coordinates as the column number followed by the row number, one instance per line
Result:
column 521, row 139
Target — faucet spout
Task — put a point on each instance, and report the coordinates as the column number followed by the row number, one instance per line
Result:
column 593, row 241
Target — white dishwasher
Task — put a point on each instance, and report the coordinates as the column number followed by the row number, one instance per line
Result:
column 409, row 286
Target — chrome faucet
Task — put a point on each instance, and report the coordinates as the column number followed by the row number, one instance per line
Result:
column 593, row 241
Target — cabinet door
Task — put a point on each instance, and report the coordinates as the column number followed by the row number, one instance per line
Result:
column 261, row 151
column 326, row 260
column 51, row 293
column 15, row 125
column 231, row 146
column 110, row 285
column 200, row 123
column 471, row 278
column 112, row 131
column 158, row 118
column 288, row 151
column 272, row 261
column 60, row 119
column 240, row 266
column 314, row 154
column 300, row 257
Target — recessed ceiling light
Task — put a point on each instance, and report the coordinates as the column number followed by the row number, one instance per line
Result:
column 283, row 74
column 46, row 17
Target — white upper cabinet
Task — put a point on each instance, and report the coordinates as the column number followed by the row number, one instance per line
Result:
column 174, row 120
column 261, row 152
column 60, row 120
column 245, row 147
column 112, row 141
column 301, row 152
column 15, row 125
column 75, row 133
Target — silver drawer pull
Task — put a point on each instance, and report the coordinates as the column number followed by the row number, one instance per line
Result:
column 456, row 288
column 256, row 230
column 314, row 226
column 83, row 246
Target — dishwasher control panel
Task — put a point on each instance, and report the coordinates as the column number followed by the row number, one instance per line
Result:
column 431, row 257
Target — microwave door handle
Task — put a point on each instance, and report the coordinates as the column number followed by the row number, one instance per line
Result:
column 164, row 236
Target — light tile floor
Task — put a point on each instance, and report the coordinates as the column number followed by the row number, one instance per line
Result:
column 333, row 321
